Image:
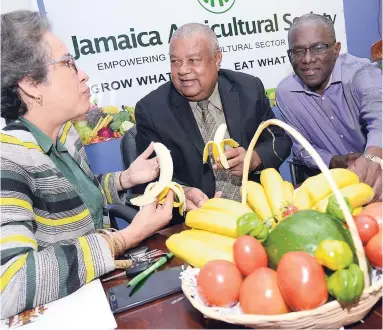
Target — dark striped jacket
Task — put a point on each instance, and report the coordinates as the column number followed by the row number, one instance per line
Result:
column 48, row 244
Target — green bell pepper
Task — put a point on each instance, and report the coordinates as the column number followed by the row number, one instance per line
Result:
column 334, row 254
column 251, row 224
column 333, row 207
column 346, row 285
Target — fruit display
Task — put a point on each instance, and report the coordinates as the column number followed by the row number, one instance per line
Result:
column 217, row 147
column 159, row 189
column 293, row 248
column 104, row 123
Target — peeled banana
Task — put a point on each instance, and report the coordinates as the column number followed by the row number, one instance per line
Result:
column 197, row 251
column 218, row 147
column 158, row 190
column 358, row 194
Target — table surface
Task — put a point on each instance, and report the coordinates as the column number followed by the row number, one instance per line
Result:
column 176, row 312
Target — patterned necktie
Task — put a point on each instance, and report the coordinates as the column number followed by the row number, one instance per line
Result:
column 225, row 181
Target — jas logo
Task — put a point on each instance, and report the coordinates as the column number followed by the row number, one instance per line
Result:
column 217, row 6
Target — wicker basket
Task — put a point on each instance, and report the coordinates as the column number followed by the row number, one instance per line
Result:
column 331, row 315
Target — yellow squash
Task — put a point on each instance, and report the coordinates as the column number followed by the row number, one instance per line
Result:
column 224, row 242
column 302, row 199
column 358, row 194
column 227, row 206
column 289, row 192
column 214, row 221
column 272, row 182
column 319, row 188
column 256, row 198
column 196, row 252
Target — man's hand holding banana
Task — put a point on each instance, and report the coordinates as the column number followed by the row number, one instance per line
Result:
column 235, row 158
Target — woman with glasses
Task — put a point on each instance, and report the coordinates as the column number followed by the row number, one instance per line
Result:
column 52, row 205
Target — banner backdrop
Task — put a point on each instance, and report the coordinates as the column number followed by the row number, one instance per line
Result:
column 123, row 44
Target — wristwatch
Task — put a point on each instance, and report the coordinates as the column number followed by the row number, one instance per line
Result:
column 374, row 159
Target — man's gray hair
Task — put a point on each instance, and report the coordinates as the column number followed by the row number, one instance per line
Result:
column 197, row 29
column 23, row 54
column 313, row 19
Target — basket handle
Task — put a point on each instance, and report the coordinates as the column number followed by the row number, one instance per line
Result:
column 322, row 166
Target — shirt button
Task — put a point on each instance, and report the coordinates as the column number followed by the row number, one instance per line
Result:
column 79, row 190
column 332, row 117
column 323, row 98
column 341, row 136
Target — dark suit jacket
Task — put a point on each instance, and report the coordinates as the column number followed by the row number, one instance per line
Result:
column 165, row 116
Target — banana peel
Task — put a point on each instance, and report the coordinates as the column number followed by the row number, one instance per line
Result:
column 217, row 147
column 157, row 191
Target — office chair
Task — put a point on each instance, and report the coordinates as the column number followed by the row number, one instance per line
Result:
column 300, row 171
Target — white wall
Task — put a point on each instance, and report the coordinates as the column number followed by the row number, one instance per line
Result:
column 10, row 5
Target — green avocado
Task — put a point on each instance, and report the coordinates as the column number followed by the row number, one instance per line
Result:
column 303, row 231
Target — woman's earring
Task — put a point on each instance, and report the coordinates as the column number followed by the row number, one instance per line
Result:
column 39, row 100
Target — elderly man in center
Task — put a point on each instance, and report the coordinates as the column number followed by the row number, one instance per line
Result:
column 184, row 115
column 334, row 100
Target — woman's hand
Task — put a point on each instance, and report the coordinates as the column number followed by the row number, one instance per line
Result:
column 149, row 219
column 142, row 170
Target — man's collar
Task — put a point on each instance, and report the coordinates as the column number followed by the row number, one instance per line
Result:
column 215, row 98
column 335, row 77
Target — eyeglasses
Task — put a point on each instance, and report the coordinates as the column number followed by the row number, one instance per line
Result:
column 318, row 49
column 68, row 60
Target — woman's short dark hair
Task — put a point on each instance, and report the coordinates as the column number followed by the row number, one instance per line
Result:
column 23, row 54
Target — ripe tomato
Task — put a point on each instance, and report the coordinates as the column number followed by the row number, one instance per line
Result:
column 302, row 281
column 373, row 250
column 218, row 283
column 289, row 210
column 260, row 293
column 375, row 210
column 367, row 227
column 249, row 254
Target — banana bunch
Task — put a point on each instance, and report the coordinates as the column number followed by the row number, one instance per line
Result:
column 217, row 147
column 315, row 191
column 197, row 247
column 272, row 198
column 217, row 215
column 158, row 190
